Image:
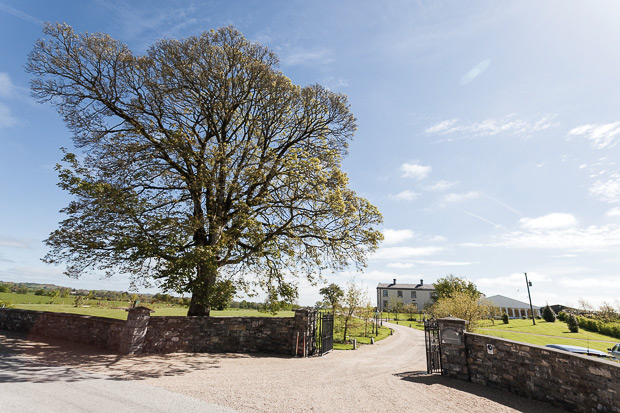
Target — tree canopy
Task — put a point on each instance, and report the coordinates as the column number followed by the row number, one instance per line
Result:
column 200, row 166
column 446, row 287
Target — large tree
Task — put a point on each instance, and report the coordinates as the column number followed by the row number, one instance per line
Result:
column 448, row 286
column 199, row 163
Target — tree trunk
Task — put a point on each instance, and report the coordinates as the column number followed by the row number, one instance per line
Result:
column 200, row 304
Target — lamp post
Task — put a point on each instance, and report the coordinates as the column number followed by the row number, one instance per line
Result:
column 529, row 284
column 377, row 323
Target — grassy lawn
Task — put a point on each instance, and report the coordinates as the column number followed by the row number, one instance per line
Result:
column 544, row 333
column 383, row 333
column 34, row 299
column 413, row 324
column 121, row 314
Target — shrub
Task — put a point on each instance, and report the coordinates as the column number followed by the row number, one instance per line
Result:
column 548, row 315
column 4, row 288
column 6, row 304
column 562, row 316
column 505, row 318
column 572, row 323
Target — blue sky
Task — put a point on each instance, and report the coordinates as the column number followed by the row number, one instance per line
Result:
column 488, row 131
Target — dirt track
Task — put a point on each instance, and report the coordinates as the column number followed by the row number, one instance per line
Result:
column 388, row 376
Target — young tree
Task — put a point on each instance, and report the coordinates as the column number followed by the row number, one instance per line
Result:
column 332, row 295
column 353, row 299
column 446, row 287
column 201, row 163
column 548, row 315
column 572, row 323
column 463, row 305
column 396, row 306
column 410, row 309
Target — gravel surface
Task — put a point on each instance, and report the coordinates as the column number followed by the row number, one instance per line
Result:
column 385, row 377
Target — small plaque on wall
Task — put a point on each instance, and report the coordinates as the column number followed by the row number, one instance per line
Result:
column 451, row 336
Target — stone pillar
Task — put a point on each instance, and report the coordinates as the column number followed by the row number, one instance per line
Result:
column 133, row 337
column 453, row 352
column 303, row 339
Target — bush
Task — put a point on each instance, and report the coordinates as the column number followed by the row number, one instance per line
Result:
column 572, row 323
column 548, row 315
column 505, row 318
column 562, row 316
column 6, row 304
column 4, row 288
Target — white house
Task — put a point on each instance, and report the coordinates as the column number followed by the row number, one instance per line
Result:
column 418, row 294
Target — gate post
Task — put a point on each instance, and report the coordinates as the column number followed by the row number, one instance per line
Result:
column 453, row 351
column 304, row 329
column 134, row 334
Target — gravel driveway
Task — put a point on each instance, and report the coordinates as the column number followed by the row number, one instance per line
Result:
column 386, row 377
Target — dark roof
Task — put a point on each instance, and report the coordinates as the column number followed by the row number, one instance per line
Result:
column 406, row 286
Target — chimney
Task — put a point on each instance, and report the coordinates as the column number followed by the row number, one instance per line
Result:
column 421, row 282
column 394, row 281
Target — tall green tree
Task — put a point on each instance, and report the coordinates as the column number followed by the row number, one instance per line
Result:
column 332, row 294
column 200, row 163
column 446, row 287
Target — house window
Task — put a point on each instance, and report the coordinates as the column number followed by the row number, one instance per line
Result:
column 400, row 293
column 413, row 294
column 385, row 293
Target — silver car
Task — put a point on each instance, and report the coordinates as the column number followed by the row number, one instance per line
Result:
column 615, row 351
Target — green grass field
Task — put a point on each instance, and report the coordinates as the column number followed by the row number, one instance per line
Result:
column 107, row 310
column 544, row 333
column 383, row 333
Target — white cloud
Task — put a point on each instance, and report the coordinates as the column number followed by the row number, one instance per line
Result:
column 7, row 89
column 490, row 127
column 556, row 220
column 607, row 190
column 454, row 198
column 441, row 186
column 402, row 265
column 614, row 212
column 405, row 195
column 401, row 253
column 592, row 238
column 600, row 135
column 416, row 171
column 442, row 126
column 476, row 71
column 396, row 236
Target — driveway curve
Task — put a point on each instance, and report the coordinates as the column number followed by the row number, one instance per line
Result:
column 389, row 376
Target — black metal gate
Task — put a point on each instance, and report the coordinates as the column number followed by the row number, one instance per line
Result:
column 325, row 338
column 433, row 346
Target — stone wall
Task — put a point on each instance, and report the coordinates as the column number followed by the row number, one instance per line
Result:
column 94, row 331
column 142, row 333
column 570, row 381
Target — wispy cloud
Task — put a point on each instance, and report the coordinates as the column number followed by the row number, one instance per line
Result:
column 441, row 186
column 607, row 190
column 592, row 238
column 600, row 135
column 403, row 253
column 308, row 57
column 15, row 242
column 20, row 14
column 7, row 90
column 414, row 170
column 491, row 127
column 483, row 219
column 405, row 195
column 455, row 198
column 476, row 71
column 556, row 220
column 396, row 236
